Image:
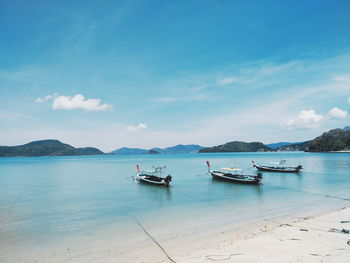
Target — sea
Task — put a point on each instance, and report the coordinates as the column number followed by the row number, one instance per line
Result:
column 51, row 202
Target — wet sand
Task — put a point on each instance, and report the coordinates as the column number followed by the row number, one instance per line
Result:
column 301, row 238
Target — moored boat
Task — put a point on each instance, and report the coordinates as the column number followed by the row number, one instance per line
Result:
column 154, row 176
column 235, row 175
column 278, row 167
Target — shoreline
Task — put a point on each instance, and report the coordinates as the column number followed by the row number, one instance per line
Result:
column 148, row 154
column 305, row 236
column 287, row 239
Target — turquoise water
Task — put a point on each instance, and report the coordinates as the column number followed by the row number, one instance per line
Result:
column 47, row 198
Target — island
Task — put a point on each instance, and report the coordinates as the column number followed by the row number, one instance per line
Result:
column 300, row 146
column 152, row 151
column 336, row 140
column 238, row 146
column 46, row 148
column 332, row 141
column 180, row 148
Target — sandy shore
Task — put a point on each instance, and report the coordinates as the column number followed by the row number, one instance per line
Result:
column 322, row 238
column 301, row 238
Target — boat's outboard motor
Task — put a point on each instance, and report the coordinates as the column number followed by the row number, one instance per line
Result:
column 259, row 175
column 300, row 167
column 167, row 179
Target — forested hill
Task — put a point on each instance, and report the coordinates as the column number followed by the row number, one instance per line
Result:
column 238, row 146
column 333, row 140
column 180, row 148
column 46, row 148
column 301, row 146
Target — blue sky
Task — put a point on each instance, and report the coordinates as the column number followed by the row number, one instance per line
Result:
column 158, row 73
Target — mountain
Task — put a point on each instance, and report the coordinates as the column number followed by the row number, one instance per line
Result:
column 300, row 146
column 126, row 150
column 333, row 140
column 192, row 148
column 46, row 148
column 238, row 146
column 89, row 151
column 279, row 144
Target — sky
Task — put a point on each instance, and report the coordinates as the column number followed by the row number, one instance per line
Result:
column 111, row 74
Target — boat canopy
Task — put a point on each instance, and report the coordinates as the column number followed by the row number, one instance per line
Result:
column 148, row 171
column 281, row 163
column 231, row 169
column 156, row 169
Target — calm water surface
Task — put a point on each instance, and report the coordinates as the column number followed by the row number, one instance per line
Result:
column 45, row 198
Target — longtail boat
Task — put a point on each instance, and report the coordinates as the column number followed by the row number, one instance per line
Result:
column 278, row 167
column 154, row 176
column 234, row 175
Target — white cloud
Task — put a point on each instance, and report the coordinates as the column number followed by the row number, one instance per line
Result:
column 337, row 113
column 142, row 126
column 305, row 119
column 46, row 98
column 77, row 101
column 138, row 127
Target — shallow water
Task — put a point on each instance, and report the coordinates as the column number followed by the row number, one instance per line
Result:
column 48, row 199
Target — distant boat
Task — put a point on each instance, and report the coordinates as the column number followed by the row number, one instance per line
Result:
column 154, row 176
column 234, row 175
column 278, row 167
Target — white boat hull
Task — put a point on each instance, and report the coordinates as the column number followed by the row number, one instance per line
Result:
column 143, row 178
column 242, row 179
column 276, row 169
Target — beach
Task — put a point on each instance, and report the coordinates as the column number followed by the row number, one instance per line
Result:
column 322, row 238
column 303, row 238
